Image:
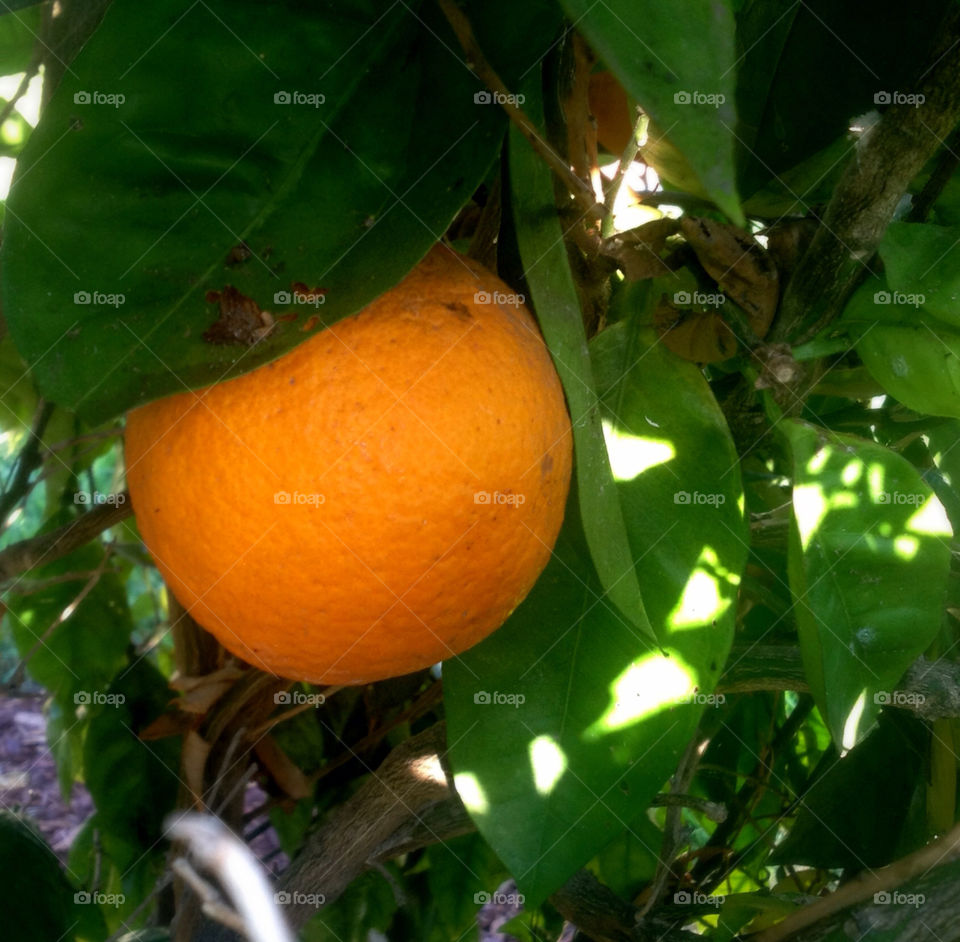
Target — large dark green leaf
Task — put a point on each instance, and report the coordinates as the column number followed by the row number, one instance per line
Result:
column 35, row 898
column 837, row 822
column 336, row 143
column 133, row 783
column 567, row 721
column 805, row 70
column 678, row 60
column 18, row 36
column 869, row 561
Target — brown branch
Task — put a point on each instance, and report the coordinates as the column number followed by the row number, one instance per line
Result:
column 888, row 157
column 45, row 548
column 864, row 886
column 930, row 689
column 477, row 62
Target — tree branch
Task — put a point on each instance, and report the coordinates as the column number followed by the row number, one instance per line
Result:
column 45, row 548
column 888, row 157
column 930, row 689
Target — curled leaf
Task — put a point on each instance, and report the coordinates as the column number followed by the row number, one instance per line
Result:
column 698, row 336
column 739, row 265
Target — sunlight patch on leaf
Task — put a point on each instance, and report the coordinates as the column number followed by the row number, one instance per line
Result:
column 702, row 600
column 631, row 455
column 647, row 686
column 851, row 473
column 548, row 762
column 810, row 508
column 875, row 481
column 851, row 727
column 906, row 547
column 930, row 520
column 471, row 793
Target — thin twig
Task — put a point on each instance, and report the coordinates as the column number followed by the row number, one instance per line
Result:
column 620, row 179
column 477, row 62
column 671, row 831
column 27, row 461
column 45, row 548
column 65, row 613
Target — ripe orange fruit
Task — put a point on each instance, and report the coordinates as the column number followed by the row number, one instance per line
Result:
column 376, row 500
column 611, row 109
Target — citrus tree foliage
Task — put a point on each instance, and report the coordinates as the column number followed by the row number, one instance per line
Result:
column 735, row 686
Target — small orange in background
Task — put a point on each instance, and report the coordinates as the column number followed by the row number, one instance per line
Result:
column 611, row 109
column 378, row 499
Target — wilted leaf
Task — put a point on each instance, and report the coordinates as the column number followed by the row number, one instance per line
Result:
column 697, row 336
column 739, row 265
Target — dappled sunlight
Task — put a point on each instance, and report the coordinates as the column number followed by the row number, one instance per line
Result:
column 631, row 455
column 906, row 547
column 650, row 684
column 851, row 727
column 471, row 793
column 810, row 509
column 851, row 473
column 702, row 600
column 548, row 762
column 930, row 520
column 875, row 482
column 811, row 505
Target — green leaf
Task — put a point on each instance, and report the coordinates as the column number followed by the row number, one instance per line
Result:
column 166, row 147
column 805, row 70
column 557, row 306
column 869, row 558
column 565, row 722
column 914, row 355
column 683, row 76
column 923, row 261
column 18, row 36
column 133, row 783
column 86, row 643
column 837, row 822
column 35, row 897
